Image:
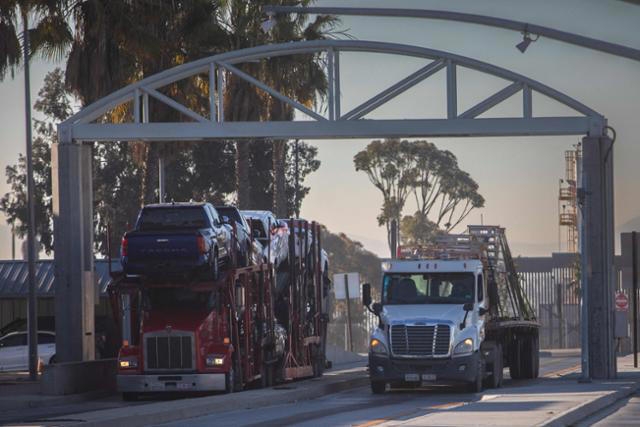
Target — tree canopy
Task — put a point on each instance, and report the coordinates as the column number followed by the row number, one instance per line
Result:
column 111, row 43
column 444, row 194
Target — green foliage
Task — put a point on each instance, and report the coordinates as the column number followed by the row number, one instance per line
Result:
column 444, row 194
column 390, row 166
column 346, row 255
column 49, row 32
column 55, row 105
column 417, row 229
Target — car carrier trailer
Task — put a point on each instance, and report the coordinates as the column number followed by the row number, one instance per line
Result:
column 452, row 312
column 254, row 325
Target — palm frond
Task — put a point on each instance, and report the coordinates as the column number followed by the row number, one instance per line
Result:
column 51, row 38
column 10, row 50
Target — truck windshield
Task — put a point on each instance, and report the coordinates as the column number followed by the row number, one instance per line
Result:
column 428, row 288
column 171, row 218
column 231, row 213
column 178, row 298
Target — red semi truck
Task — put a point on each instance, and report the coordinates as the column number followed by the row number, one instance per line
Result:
column 254, row 324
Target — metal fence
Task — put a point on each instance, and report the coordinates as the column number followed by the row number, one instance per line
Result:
column 554, row 293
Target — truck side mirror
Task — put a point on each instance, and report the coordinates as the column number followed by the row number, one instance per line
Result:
column 467, row 307
column 377, row 308
column 366, row 294
column 482, row 311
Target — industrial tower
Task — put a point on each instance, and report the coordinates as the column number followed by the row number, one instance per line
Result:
column 568, row 202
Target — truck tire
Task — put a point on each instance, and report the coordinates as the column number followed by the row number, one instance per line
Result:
column 476, row 385
column 378, row 387
column 266, row 376
column 494, row 380
column 215, row 266
column 129, row 396
column 229, row 381
column 515, row 361
column 530, row 365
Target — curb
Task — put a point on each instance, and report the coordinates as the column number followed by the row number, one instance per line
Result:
column 581, row 412
column 47, row 401
column 168, row 411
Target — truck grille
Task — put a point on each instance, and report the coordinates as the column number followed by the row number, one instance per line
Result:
column 169, row 352
column 420, row 340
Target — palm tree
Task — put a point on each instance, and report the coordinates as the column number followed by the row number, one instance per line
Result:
column 299, row 77
column 118, row 42
column 50, row 37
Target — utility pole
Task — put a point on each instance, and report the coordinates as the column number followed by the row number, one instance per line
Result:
column 13, row 242
column 297, row 196
column 31, row 247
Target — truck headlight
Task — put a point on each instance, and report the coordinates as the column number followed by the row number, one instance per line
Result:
column 377, row 347
column 464, row 347
column 214, row 360
column 128, row 362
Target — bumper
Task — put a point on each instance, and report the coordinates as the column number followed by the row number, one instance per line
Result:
column 424, row 371
column 162, row 267
column 160, row 383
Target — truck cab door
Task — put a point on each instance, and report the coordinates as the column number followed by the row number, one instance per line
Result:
column 483, row 303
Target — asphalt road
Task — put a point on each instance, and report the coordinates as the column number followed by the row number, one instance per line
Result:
column 359, row 407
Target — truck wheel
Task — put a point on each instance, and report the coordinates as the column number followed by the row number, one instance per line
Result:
column 495, row 379
column 129, row 396
column 229, row 381
column 515, row 361
column 378, row 387
column 476, row 385
column 215, row 266
column 530, row 365
column 266, row 376
column 536, row 355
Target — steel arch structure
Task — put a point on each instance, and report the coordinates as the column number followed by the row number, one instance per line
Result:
column 335, row 124
column 71, row 157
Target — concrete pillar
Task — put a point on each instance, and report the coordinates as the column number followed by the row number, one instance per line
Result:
column 599, row 241
column 73, row 251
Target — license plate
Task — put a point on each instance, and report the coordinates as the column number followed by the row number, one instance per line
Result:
column 184, row 386
column 411, row 377
column 428, row 377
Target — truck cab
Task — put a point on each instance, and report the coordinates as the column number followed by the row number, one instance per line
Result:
column 452, row 312
column 432, row 324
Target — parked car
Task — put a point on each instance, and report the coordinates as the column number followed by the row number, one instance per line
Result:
column 176, row 239
column 231, row 215
column 106, row 332
column 14, row 350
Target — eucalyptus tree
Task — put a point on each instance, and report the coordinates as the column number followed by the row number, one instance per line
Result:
column 444, row 194
column 390, row 166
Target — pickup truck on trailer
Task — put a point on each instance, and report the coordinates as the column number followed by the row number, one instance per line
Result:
column 452, row 313
column 176, row 239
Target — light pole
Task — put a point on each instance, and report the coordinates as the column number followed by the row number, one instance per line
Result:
column 297, row 197
column 32, row 320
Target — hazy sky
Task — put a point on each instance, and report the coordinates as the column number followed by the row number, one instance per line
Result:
column 517, row 176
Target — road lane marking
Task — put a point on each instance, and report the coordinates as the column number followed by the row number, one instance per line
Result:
column 396, row 417
column 562, row 372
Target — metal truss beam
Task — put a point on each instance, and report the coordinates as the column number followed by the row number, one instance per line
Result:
column 219, row 66
column 491, row 21
column 332, row 130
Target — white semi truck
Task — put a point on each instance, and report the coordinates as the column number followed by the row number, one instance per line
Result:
column 452, row 312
